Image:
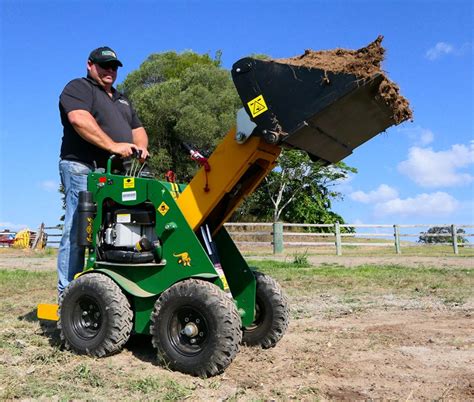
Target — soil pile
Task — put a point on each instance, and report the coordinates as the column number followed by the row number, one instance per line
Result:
column 363, row 63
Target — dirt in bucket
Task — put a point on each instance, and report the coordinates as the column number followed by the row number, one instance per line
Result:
column 363, row 63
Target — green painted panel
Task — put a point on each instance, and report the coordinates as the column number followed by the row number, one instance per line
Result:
column 239, row 276
column 143, row 307
column 125, row 283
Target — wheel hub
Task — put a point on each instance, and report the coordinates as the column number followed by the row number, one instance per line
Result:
column 191, row 329
column 188, row 331
column 87, row 318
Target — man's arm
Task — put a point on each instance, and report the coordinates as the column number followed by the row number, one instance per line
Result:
column 87, row 127
column 140, row 139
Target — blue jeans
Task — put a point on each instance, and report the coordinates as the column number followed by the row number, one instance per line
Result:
column 71, row 255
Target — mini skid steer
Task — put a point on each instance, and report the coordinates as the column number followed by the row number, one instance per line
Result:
column 159, row 259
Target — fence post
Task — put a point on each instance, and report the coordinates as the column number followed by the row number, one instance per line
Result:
column 39, row 237
column 454, row 235
column 277, row 237
column 337, row 230
column 396, row 233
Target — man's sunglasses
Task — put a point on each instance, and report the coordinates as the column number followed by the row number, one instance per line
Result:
column 107, row 66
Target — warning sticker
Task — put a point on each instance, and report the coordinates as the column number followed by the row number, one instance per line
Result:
column 124, row 218
column 129, row 182
column 257, row 106
column 129, row 196
column 163, row 208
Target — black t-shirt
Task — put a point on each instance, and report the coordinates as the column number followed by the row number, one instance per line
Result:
column 115, row 116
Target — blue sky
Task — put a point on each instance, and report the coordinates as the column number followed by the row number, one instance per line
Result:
column 420, row 172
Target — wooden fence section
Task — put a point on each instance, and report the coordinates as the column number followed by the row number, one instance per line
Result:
column 54, row 233
column 281, row 234
column 333, row 234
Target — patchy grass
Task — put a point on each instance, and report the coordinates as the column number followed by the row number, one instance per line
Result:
column 33, row 365
column 448, row 284
column 407, row 249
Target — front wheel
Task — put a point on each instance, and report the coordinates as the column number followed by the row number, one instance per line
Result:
column 271, row 314
column 95, row 317
column 195, row 328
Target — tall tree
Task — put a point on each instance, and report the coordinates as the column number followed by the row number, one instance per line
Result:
column 299, row 190
column 183, row 97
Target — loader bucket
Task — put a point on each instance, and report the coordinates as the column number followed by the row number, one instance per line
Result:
column 324, row 113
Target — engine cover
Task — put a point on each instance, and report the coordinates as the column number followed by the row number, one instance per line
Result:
column 127, row 234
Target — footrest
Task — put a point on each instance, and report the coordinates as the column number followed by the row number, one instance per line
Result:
column 48, row 312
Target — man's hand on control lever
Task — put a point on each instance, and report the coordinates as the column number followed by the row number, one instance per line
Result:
column 142, row 153
column 123, row 149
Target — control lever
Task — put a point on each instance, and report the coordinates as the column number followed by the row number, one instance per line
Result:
column 133, row 166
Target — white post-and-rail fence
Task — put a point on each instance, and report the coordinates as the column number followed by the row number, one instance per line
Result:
column 276, row 235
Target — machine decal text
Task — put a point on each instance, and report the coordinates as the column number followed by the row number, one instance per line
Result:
column 129, row 196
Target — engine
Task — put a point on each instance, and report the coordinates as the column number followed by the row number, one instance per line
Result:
column 126, row 235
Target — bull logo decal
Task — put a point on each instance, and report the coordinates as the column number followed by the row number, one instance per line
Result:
column 183, row 258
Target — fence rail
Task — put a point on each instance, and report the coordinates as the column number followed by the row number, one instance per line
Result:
column 277, row 235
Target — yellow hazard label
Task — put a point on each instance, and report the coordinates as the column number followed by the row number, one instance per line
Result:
column 257, row 106
column 163, row 208
column 129, row 182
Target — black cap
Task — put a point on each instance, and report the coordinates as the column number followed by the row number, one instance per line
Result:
column 104, row 54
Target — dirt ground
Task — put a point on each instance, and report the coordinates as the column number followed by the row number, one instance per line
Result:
column 382, row 346
column 10, row 258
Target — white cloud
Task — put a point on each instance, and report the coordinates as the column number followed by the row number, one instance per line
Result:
column 432, row 205
column 418, row 135
column 12, row 226
column 429, row 168
column 381, row 194
column 426, row 137
column 440, row 49
column 443, row 48
column 49, row 185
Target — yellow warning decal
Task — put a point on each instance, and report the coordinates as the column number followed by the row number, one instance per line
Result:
column 163, row 208
column 129, row 182
column 257, row 106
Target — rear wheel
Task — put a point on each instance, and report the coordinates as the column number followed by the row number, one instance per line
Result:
column 195, row 328
column 95, row 317
column 271, row 314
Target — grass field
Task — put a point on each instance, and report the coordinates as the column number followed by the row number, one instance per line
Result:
column 33, row 365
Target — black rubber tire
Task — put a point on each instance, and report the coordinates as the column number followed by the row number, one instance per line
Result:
column 271, row 314
column 211, row 313
column 95, row 317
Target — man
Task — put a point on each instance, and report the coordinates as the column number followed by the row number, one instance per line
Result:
column 98, row 121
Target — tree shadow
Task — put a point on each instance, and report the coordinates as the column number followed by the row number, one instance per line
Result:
column 46, row 327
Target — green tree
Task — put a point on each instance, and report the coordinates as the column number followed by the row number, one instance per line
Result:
column 299, row 190
column 183, row 97
column 442, row 230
